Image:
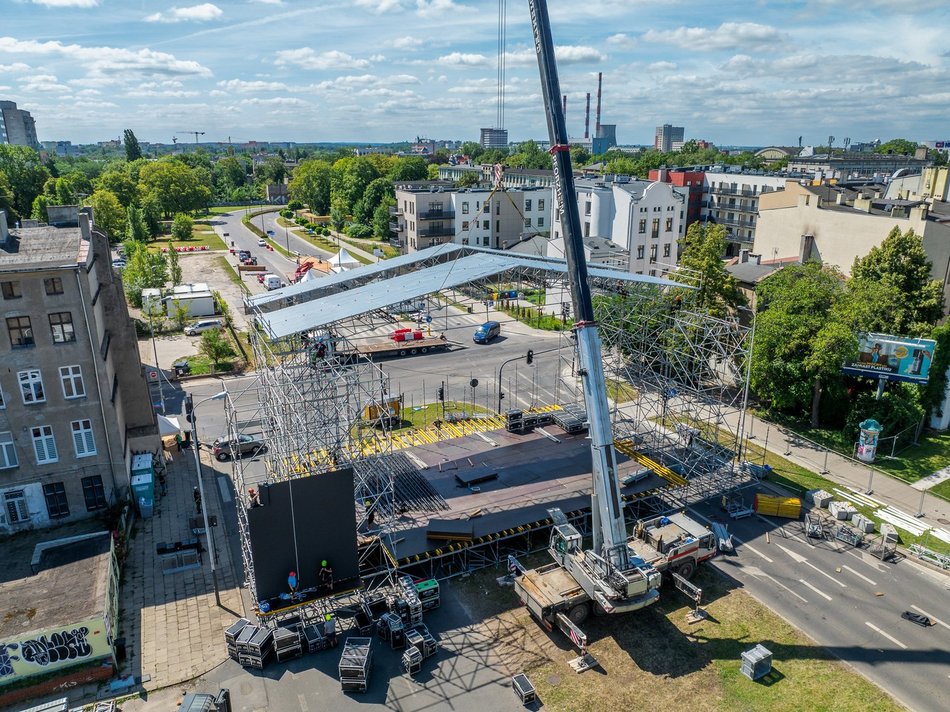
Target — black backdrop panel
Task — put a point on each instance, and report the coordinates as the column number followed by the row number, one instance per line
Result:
column 320, row 513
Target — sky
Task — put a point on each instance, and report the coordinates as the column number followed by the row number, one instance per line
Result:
column 751, row 73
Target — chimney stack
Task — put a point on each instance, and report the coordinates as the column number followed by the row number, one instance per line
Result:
column 587, row 118
column 600, row 76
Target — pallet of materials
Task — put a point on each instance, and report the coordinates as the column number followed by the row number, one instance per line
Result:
column 863, row 524
column 769, row 506
column 842, row 510
column 428, row 592
column 356, row 663
column 818, row 497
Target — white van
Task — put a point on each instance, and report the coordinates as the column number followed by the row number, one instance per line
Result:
column 203, row 325
column 272, row 281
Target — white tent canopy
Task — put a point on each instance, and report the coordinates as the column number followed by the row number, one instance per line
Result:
column 344, row 260
column 168, row 426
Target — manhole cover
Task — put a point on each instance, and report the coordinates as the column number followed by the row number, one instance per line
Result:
column 943, row 521
column 554, row 680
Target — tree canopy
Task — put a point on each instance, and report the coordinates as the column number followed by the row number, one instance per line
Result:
column 133, row 151
column 702, row 248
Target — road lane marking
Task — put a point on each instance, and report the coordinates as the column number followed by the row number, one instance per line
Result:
column 931, row 617
column 820, row 593
column 798, row 558
column 827, row 576
column 756, row 572
column 225, row 489
column 889, row 637
column 860, row 576
column 749, row 547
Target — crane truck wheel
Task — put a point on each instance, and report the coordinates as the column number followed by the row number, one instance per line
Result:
column 578, row 614
column 687, row 569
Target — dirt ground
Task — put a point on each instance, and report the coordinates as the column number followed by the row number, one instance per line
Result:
column 655, row 659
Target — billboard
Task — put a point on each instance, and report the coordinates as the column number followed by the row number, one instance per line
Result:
column 892, row 358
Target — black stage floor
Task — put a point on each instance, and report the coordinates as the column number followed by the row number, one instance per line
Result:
column 535, row 473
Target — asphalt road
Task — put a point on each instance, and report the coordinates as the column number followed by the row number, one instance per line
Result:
column 849, row 602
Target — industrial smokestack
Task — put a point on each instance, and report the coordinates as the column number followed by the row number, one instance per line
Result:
column 587, row 118
column 600, row 76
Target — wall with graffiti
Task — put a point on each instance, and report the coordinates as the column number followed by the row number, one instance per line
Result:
column 42, row 652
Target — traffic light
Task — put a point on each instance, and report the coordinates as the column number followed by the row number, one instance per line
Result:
column 189, row 410
column 441, row 393
column 530, row 356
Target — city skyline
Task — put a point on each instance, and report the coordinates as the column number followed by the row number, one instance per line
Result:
column 388, row 70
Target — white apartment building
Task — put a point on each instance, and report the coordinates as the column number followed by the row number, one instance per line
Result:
column 732, row 200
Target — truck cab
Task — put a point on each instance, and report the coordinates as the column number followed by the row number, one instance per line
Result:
column 673, row 543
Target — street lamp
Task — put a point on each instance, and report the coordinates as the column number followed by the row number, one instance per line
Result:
column 190, row 409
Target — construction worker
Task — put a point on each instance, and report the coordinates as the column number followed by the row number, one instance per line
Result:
column 197, row 495
column 370, row 514
column 254, row 497
column 325, row 577
column 292, row 583
column 329, row 629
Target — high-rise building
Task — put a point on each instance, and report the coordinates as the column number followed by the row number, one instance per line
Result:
column 666, row 136
column 494, row 138
column 17, row 126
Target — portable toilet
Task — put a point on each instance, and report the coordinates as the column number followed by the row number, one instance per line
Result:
column 143, row 484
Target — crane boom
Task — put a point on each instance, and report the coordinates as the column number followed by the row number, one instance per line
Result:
column 609, row 530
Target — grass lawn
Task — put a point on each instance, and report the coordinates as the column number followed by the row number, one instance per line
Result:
column 202, row 238
column 535, row 296
column 422, row 416
column 546, row 322
column 228, row 269
column 201, row 365
column 620, row 391
column 653, row 659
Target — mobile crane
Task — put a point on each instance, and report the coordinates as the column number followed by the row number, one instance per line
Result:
column 612, row 576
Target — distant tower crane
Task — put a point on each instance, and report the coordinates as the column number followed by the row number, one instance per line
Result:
column 196, row 134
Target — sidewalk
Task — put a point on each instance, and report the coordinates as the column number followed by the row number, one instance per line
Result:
column 172, row 625
column 843, row 471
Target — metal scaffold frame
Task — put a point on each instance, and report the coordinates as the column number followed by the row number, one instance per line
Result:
column 310, row 396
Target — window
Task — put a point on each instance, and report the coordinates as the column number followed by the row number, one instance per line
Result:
column 655, row 228
column 17, row 509
column 669, row 224
column 3, row 402
column 527, row 222
column 8, row 456
column 21, row 331
column 11, row 290
column 31, row 386
column 639, row 252
column 587, row 207
column 94, row 493
column 653, row 253
column 104, row 347
column 485, row 224
column 527, row 204
column 465, row 225
column 540, row 203
column 465, row 208
column 83, row 439
column 54, row 285
column 486, row 208
column 666, row 250
column 540, row 222
column 61, row 326
column 643, row 227
column 44, row 444
column 56, row 503
column 586, row 229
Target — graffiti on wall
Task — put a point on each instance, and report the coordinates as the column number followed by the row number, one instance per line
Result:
column 6, row 659
column 58, row 647
column 43, row 651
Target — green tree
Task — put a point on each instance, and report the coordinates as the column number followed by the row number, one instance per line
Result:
column 144, row 270
column 410, row 168
column 133, row 151
column 799, row 347
column 271, row 171
column 355, row 174
column 135, row 227
column 174, row 187
column 174, row 266
column 25, row 175
column 472, row 149
column 40, row 205
column 6, row 195
column 215, row 347
column 119, row 183
column 469, row 179
column 312, row 184
column 901, row 263
column 433, row 173
column 338, row 213
column 108, row 214
column 899, row 146
column 182, row 227
column 529, row 155
column 381, row 218
column 703, row 246
column 373, row 196
column 180, row 311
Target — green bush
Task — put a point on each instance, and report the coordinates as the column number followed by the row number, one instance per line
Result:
column 287, row 214
column 182, row 226
column 358, row 230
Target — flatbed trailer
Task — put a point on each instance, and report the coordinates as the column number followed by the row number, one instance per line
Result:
column 399, row 348
column 673, row 543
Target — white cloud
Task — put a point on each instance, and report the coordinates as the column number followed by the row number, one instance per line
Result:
column 307, row 58
column 67, row 3
column 105, row 61
column 662, row 66
column 278, row 101
column 195, row 13
column 380, row 6
column 431, row 8
column 246, row 87
column 622, row 40
column 15, row 67
column 43, row 82
column 269, row 2
column 565, row 54
column 163, row 93
column 405, row 43
column 377, row 58
column 463, row 59
column 727, row 36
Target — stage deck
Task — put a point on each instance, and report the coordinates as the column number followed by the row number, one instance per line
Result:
column 534, row 474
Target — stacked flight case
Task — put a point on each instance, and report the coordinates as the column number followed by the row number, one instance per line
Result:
column 391, row 629
column 231, row 636
column 356, row 662
column 412, row 614
column 428, row 592
column 315, row 638
column 255, row 646
column 287, row 644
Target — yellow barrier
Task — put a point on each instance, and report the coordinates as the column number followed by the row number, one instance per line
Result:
column 788, row 507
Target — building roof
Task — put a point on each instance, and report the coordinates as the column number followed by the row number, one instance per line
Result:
column 753, row 272
column 71, row 585
column 41, row 247
column 468, row 267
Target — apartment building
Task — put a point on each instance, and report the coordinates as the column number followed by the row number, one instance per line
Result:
column 425, row 216
column 668, row 138
column 732, row 200
column 74, row 404
column 17, row 126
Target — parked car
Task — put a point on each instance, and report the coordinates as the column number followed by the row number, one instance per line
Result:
column 203, row 325
column 243, row 254
column 260, row 278
column 486, row 332
column 262, row 242
column 244, row 445
column 249, row 261
column 118, row 264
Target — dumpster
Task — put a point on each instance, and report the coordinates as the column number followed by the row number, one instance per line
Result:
column 143, row 484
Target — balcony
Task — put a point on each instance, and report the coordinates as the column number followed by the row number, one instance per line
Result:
column 732, row 191
column 393, row 210
column 437, row 231
column 396, row 226
column 436, row 215
column 734, row 222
